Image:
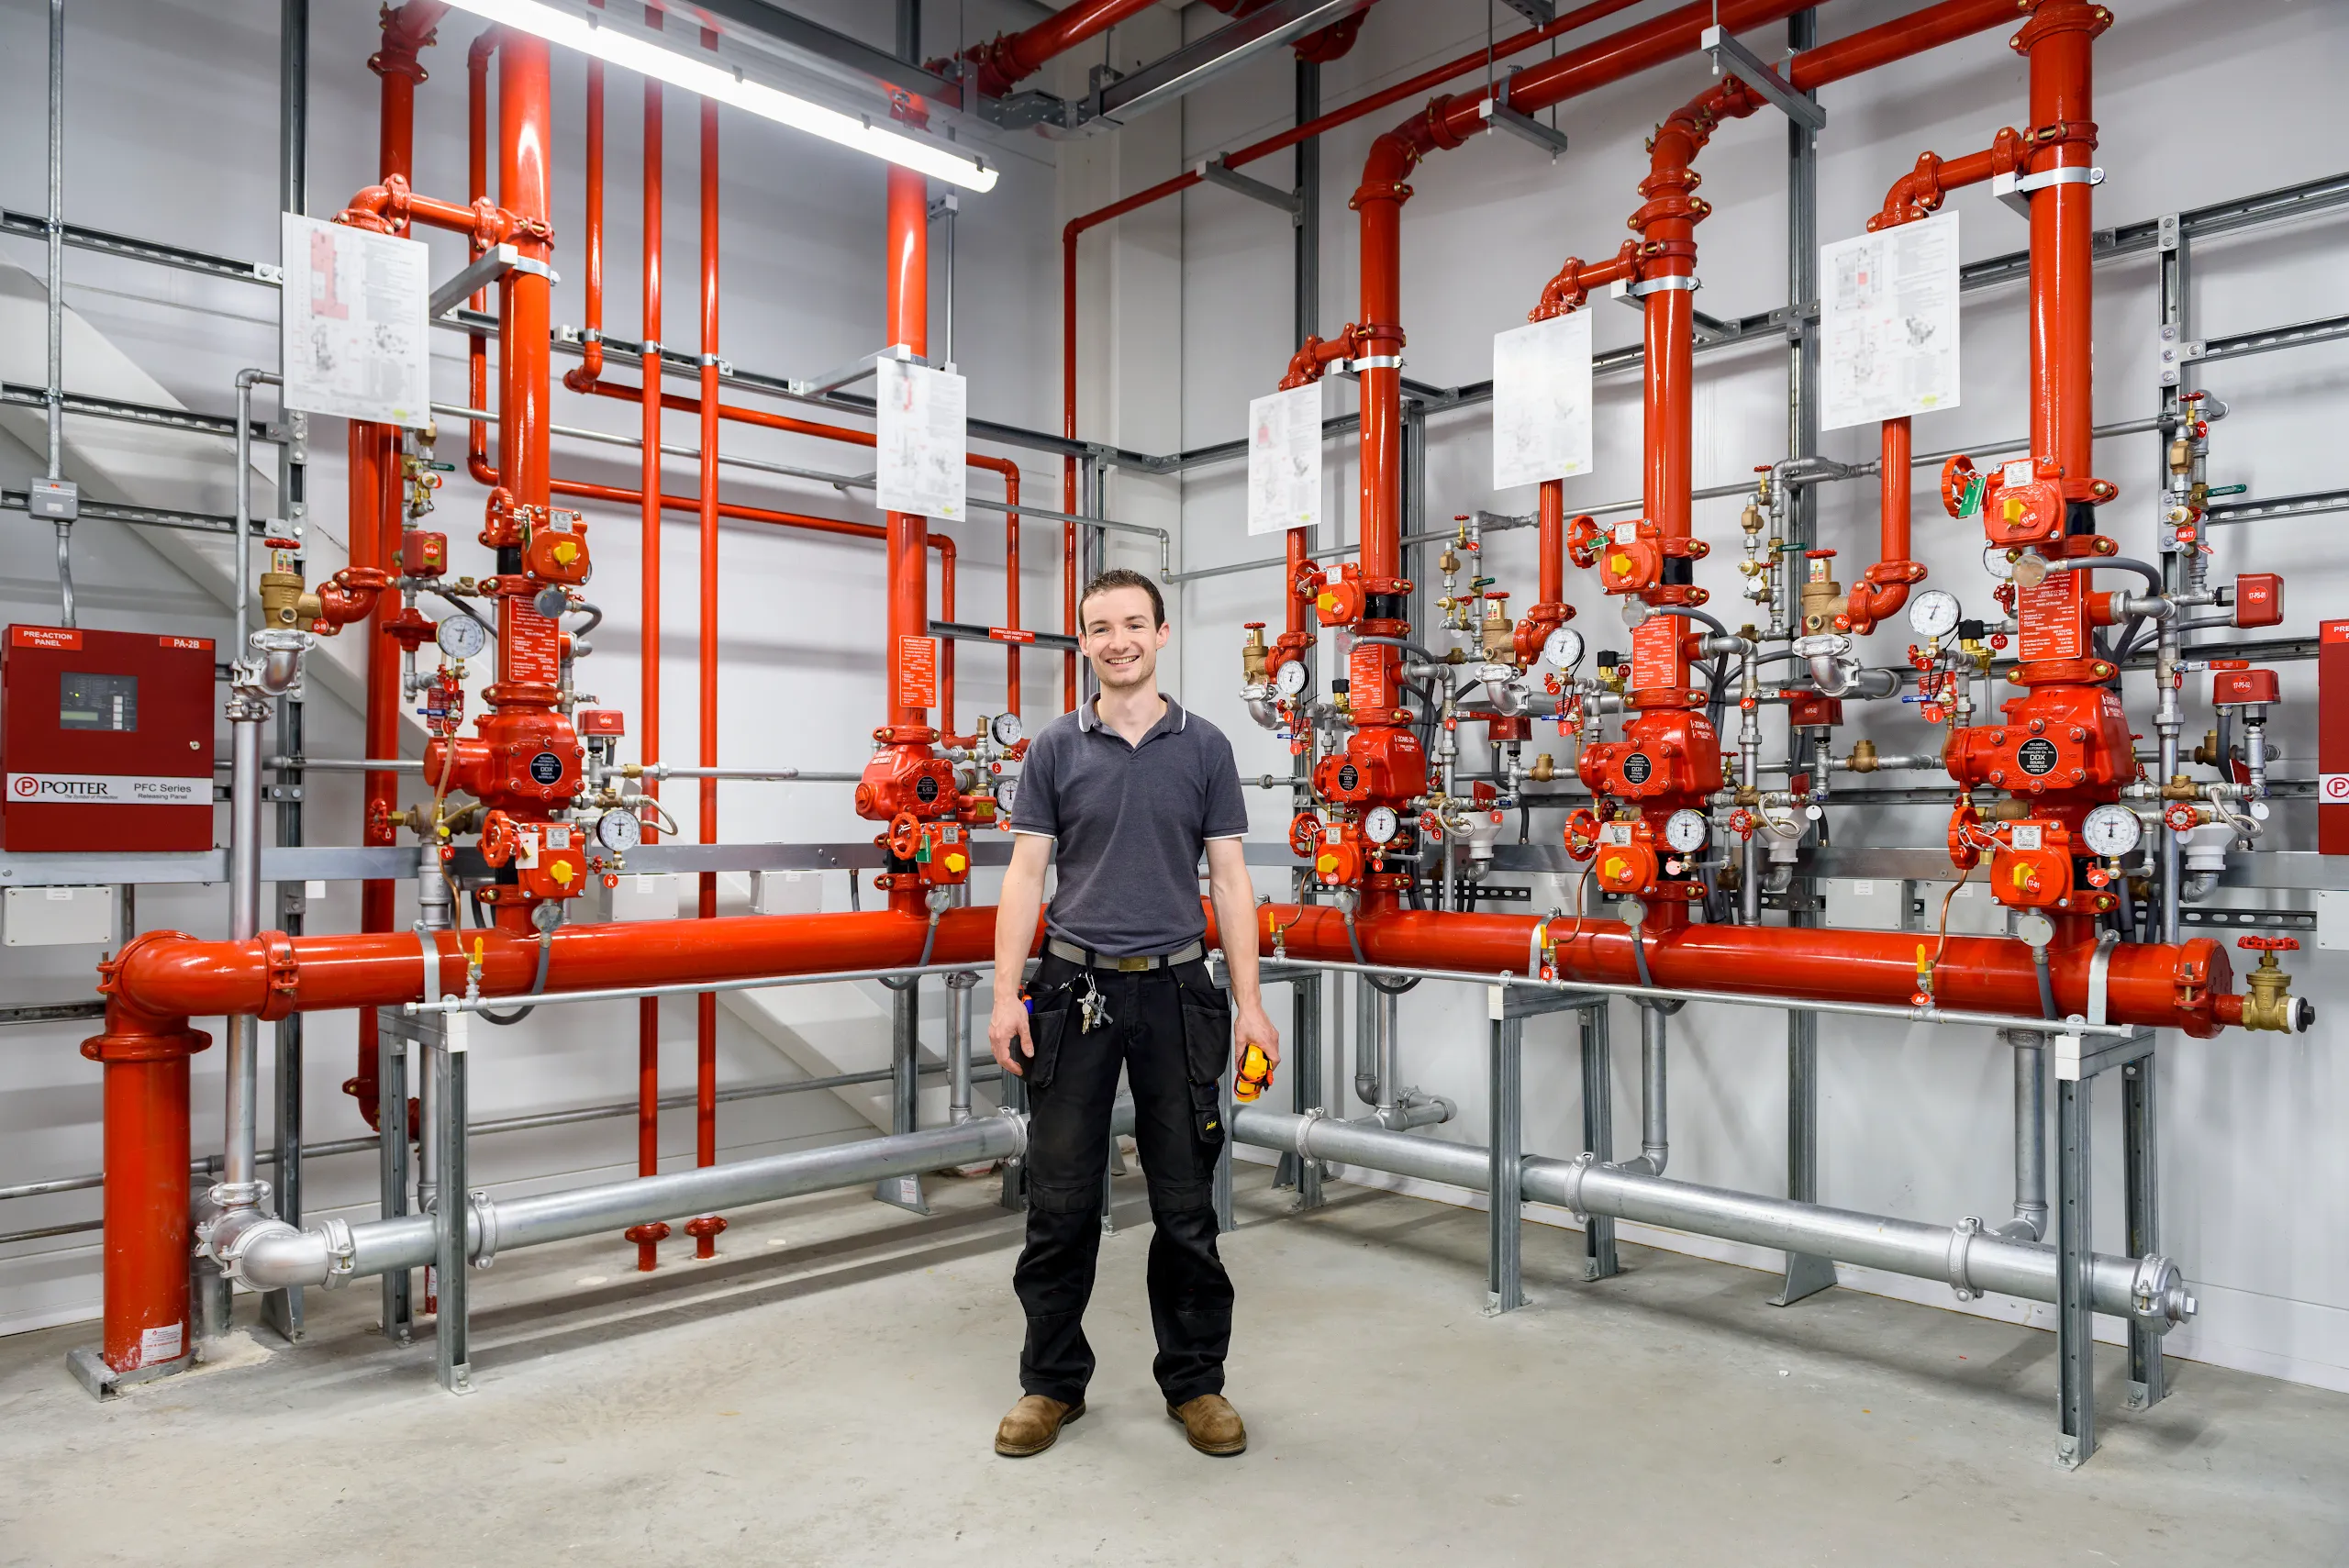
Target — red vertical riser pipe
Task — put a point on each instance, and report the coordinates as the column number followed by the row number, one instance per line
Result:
column 374, row 479
column 704, row 1229
column 2059, row 41
column 592, row 349
column 145, row 1267
column 907, row 308
column 1010, row 589
column 648, row 1009
column 477, row 59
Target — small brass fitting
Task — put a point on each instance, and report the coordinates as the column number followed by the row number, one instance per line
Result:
column 1253, row 654
column 1751, row 518
column 1448, row 561
column 2207, row 753
column 1864, row 756
column 2179, row 788
column 284, row 604
column 1749, row 794
column 1499, row 635
column 1545, row 768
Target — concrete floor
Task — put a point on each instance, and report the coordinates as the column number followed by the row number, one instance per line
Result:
column 825, row 1392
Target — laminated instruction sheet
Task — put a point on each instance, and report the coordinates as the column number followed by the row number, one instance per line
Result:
column 1284, row 459
column 1888, row 323
column 352, row 316
column 923, row 440
column 1542, row 401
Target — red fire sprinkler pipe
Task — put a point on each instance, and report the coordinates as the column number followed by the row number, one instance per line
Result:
column 1003, row 61
column 704, row 1229
column 648, row 1010
column 374, row 491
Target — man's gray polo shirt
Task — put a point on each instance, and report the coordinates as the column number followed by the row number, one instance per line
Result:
column 1128, row 824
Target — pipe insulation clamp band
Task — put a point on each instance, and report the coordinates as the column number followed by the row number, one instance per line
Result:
column 342, row 1252
column 484, row 1215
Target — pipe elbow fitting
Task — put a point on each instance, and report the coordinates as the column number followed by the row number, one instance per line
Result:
column 262, row 1252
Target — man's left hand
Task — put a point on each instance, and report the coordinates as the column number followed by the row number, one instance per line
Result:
column 1251, row 1027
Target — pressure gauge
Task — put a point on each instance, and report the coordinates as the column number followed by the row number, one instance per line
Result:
column 619, row 830
column 1563, row 647
column 1005, row 792
column 1380, row 824
column 1934, row 612
column 1996, row 563
column 1290, row 678
column 461, row 637
column 1685, row 831
column 2111, row 831
column 1007, row 729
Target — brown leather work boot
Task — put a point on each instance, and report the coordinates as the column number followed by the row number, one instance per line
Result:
column 1034, row 1425
column 1212, row 1424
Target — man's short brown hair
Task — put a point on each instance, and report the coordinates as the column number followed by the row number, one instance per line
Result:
column 1122, row 577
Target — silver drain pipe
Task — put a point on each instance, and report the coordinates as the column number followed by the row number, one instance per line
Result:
column 1968, row 1258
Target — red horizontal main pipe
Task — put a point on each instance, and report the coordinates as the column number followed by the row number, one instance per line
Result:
column 163, row 978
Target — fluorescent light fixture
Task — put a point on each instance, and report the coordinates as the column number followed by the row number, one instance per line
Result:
column 726, row 84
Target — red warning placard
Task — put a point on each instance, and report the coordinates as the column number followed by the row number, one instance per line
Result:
column 917, row 672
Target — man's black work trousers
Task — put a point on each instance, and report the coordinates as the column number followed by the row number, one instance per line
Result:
column 1171, row 1029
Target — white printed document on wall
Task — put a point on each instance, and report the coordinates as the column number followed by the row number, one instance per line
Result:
column 352, row 318
column 924, row 442
column 1284, row 459
column 1542, row 401
column 1888, row 323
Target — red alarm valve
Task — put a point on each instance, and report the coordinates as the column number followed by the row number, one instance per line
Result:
column 2259, row 599
column 2032, row 867
column 1665, row 752
column 2027, row 513
column 1627, row 858
column 906, row 779
column 2231, row 688
column 2056, row 739
column 1381, row 764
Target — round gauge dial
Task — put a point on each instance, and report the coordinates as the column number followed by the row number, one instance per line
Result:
column 1684, row 831
column 1290, row 678
column 1007, row 729
column 2112, row 830
column 1934, row 612
column 1380, row 825
column 461, row 637
column 1007, row 791
column 1996, row 562
column 1563, row 647
column 619, row 830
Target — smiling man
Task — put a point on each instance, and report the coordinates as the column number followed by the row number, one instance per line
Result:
column 1125, row 794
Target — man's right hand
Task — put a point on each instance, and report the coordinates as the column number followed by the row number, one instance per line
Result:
column 1008, row 1024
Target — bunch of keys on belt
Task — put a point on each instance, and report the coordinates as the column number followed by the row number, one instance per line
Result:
column 1095, row 1009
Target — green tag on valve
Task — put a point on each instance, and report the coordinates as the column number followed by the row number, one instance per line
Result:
column 1969, row 503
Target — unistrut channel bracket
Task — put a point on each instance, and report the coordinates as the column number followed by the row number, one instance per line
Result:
column 1707, row 329
column 1729, row 55
column 1216, row 171
column 486, row 269
column 1499, row 115
column 854, row 371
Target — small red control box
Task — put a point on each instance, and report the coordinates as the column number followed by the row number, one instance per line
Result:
column 2231, row 688
column 106, row 740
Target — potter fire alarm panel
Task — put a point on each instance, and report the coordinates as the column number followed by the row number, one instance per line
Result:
column 106, row 740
